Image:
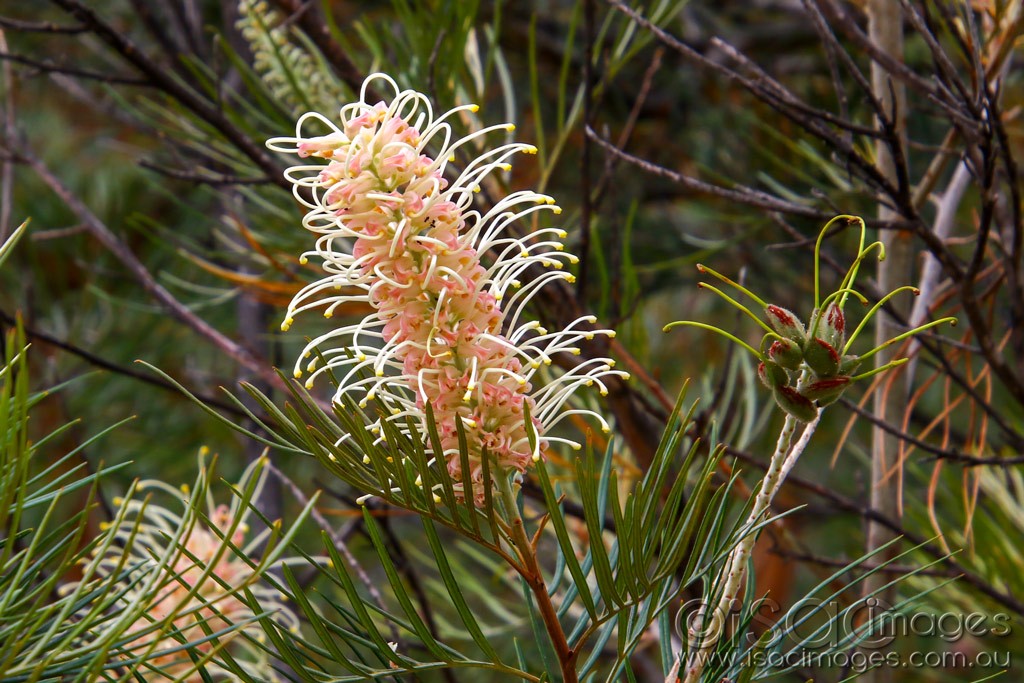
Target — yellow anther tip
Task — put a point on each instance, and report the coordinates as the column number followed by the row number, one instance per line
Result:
column 556, row 210
column 529, row 149
column 309, row 383
column 611, row 334
column 437, row 498
column 570, row 278
column 303, row 260
column 603, row 392
column 474, row 108
column 118, row 500
column 297, row 374
column 536, row 457
column 451, row 158
column 562, row 234
column 510, row 127
column 606, row 429
column 328, row 314
column 379, row 373
column 366, row 460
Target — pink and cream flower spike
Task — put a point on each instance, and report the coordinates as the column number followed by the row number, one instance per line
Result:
column 178, row 571
column 444, row 279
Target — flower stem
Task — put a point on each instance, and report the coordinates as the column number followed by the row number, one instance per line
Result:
column 711, row 626
column 531, row 573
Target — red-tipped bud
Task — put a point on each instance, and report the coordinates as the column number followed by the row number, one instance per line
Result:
column 772, row 375
column 786, row 353
column 826, row 391
column 832, row 326
column 790, row 400
column 785, row 323
column 822, row 358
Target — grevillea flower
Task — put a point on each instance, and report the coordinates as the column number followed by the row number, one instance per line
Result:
column 178, row 580
column 448, row 283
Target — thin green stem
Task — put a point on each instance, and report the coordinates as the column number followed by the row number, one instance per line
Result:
column 817, row 250
column 712, row 328
column 870, row 314
column 881, row 368
column 908, row 333
column 851, row 275
column 737, row 304
column 704, row 269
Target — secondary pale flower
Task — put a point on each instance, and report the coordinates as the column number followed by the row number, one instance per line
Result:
column 177, row 579
column 447, row 282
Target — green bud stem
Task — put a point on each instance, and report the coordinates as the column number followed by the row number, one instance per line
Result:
column 871, row 313
column 704, row 269
column 910, row 333
column 849, row 220
column 737, row 304
column 712, row 328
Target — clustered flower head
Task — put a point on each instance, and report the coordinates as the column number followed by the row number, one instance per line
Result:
column 179, row 579
column 808, row 367
column 447, row 282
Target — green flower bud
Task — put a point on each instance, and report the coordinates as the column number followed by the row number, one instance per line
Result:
column 832, row 326
column 786, row 353
column 825, row 391
column 790, row 400
column 772, row 375
column 822, row 358
column 785, row 323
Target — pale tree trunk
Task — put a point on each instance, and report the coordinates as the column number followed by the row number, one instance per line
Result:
column 886, row 30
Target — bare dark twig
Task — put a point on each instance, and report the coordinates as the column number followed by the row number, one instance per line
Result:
column 46, row 66
column 119, row 249
column 162, row 79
